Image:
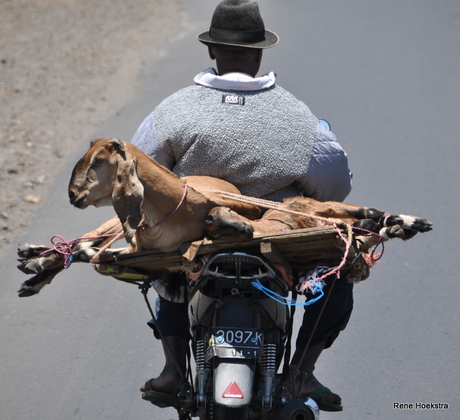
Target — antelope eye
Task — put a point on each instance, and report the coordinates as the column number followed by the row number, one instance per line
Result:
column 98, row 161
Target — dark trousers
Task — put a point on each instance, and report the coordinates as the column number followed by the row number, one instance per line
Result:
column 172, row 319
column 334, row 318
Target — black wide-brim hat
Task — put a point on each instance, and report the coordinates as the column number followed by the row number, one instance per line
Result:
column 238, row 23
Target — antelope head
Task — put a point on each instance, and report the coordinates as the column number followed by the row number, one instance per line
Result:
column 93, row 177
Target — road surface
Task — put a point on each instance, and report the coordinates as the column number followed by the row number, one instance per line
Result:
column 385, row 75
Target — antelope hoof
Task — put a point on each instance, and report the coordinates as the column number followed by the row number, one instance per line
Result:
column 26, row 290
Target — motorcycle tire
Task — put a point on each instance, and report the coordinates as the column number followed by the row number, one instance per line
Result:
column 296, row 410
column 227, row 413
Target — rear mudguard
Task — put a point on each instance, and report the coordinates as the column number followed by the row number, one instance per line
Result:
column 233, row 381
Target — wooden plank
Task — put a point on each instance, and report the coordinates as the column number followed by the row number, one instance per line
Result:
column 302, row 247
column 272, row 254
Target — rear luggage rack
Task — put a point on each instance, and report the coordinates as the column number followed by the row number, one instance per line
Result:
column 239, row 266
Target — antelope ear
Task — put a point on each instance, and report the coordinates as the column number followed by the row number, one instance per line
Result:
column 127, row 198
column 118, row 146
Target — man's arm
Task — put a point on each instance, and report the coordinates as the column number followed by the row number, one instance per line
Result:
column 328, row 177
column 145, row 140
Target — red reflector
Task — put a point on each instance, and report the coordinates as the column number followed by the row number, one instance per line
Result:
column 233, row 391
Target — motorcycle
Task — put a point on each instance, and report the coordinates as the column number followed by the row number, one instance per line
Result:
column 240, row 334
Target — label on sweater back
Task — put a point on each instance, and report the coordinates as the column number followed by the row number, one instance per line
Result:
column 233, row 99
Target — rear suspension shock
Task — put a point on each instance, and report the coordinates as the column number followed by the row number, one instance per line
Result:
column 268, row 370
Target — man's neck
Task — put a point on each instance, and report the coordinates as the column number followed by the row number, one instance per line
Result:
column 236, row 67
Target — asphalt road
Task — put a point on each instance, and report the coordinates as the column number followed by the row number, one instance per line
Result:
column 385, row 74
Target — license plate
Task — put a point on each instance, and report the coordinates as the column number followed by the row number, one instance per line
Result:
column 225, row 336
column 227, row 342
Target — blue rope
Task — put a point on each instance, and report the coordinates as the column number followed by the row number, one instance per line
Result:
column 288, row 301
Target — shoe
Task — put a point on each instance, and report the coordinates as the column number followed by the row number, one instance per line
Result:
column 323, row 403
column 160, row 399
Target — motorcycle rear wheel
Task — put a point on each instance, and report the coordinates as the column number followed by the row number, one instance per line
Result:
column 227, row 413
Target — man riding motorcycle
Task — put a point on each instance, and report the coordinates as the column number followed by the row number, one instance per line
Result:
column 246, row 129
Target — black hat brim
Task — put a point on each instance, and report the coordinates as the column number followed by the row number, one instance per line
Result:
column 271, row 39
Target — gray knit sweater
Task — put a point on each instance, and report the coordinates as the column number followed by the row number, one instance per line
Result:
column 261, row 141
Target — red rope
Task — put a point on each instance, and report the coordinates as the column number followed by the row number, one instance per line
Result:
column 336, row 270
column 373, row 257
column 65, row 247
column 370, row 259
column 177, row 207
